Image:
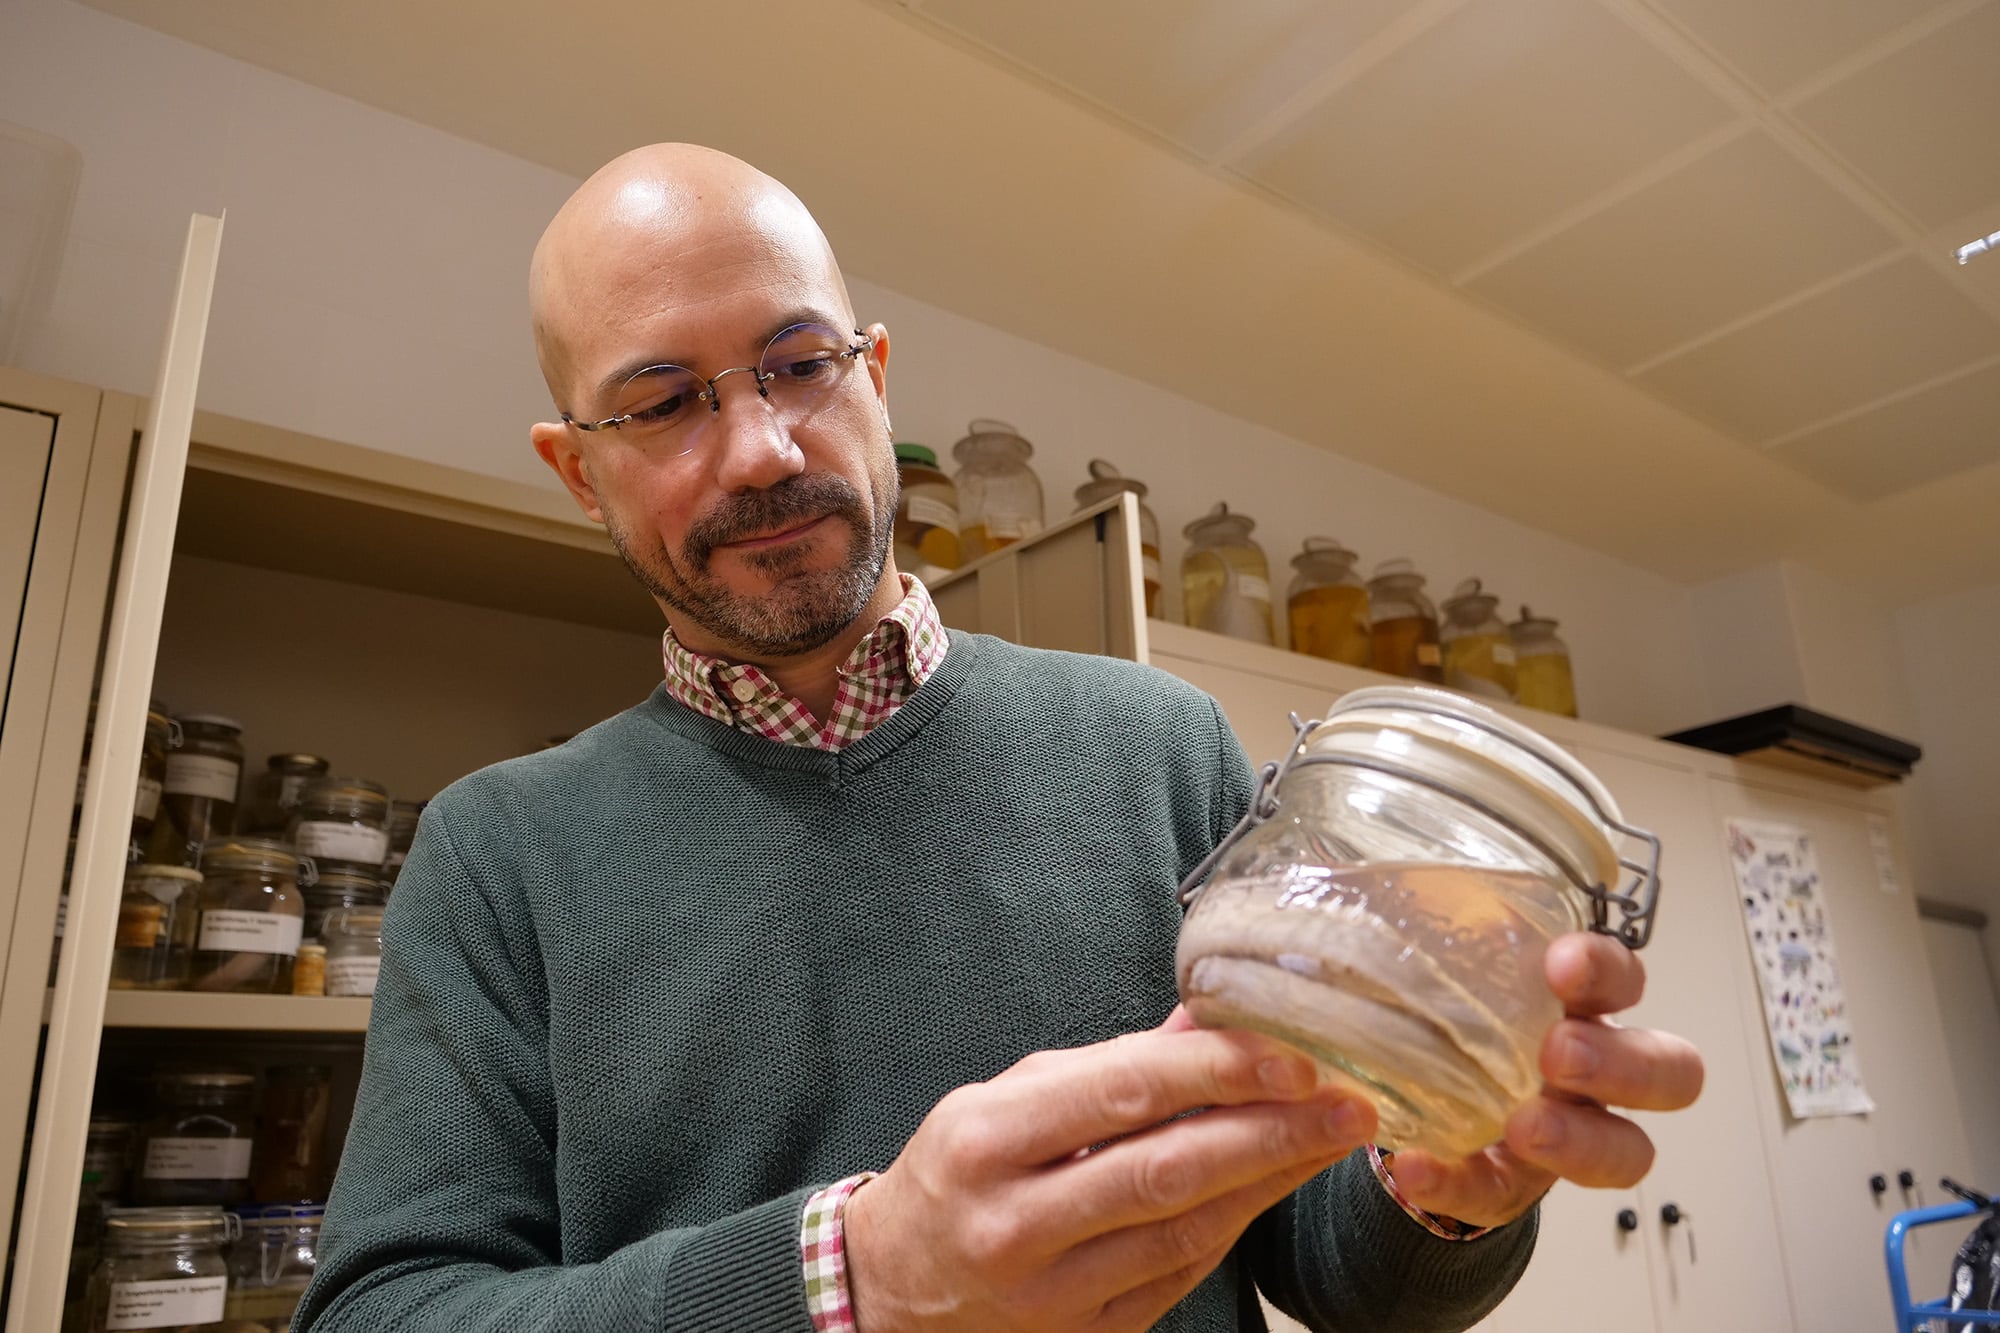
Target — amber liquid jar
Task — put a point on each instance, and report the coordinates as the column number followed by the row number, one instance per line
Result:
column 1403, row 625
column 1327, row 605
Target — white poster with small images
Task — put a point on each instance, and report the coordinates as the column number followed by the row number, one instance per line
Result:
column 1791, row 942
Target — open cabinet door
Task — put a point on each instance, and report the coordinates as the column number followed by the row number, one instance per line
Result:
column 69, row 1064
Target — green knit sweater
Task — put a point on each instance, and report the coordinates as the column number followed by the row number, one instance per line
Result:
column 644, row 993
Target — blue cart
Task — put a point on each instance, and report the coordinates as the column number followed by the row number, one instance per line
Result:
column 1915, row 1316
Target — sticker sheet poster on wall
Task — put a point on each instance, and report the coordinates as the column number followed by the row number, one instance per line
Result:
column 1791, row 941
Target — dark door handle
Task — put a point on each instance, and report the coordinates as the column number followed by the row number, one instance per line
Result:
column 1878, row 1184
column 1628, row 1219
column 1670, row 1214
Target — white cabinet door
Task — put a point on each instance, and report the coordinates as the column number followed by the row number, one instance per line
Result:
column 63, row 1092
column 26, row 439
column 1832, row 1222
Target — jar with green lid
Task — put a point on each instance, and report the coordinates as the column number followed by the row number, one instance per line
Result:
column 403, row 819
column 251, row 915
column 1478, row 653
column 926, row 515
column 197, row 1145
column 1105, row 482
column 342, row 819
column 999, row 495
column 156, row 928
column 342, row 886
column 353, row 938
column 1402, row 624
column 1542, row 672
column 162, row 1269
column 198, row 788
column 1225, row 579
column 275, row 792
column 1327, row 604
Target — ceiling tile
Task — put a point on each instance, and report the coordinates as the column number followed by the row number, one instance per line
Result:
column 1741, row 228
column 1193, row 71
column 1920, row 123
column 1881, row 332
column 1922, row 438
column 1490, row 124
column 1778, row 44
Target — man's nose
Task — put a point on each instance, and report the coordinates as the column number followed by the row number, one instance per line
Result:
column 750, row 437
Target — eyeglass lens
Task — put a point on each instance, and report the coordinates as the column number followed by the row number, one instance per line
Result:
column 799, row 366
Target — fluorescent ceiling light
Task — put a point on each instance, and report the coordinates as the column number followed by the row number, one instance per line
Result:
column 1966, row 252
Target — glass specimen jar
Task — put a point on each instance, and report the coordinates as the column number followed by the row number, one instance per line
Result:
column 156, row 928
column 926, row 515
column 290, row 1162
column 1402, row 624
column 1225, row 579
column 275, row 792
column 198, row 788
column 999, row 495
column 252, row 916
column 342, row 819
column 198, row 1141
column 1542, row 671
column 342, row 886
column 403, row 817
column 1386, row 904
column 353, row 939
column 1478, row 652
column 1327, row 604
column 271, row 1265
column 1105, row 482
column 162, row 1269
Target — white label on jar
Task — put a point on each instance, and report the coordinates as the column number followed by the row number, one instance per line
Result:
column 146, row 804
column 352, row 976
column 1503, row 654
column 1252, row 588
column 1429, row 654
column 1151, row 567
column 1012, row 527
column 938, row 514
column 341, row 841
column 289, row 787
column 395, row 860
column 202, row 775
column 250, row 932
column 173, row 1303
column 197, row 1159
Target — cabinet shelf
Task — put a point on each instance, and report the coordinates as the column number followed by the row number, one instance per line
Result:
column 235, row 1013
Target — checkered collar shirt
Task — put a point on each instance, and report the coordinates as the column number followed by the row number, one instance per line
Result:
column 884, row 669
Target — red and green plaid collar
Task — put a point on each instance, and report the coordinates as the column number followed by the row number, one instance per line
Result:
column 884, row 669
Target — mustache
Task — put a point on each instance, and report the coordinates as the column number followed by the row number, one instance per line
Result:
column 793, row 501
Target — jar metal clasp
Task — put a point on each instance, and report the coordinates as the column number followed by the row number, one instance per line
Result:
column 1635, row 902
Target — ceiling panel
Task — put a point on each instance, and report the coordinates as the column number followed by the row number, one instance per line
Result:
column 1490, row 124
column 1738, row 229
column 1925, row 437
column 1191, row 70
column 1886, row 330
column 1778, row 44
column 1920, row 123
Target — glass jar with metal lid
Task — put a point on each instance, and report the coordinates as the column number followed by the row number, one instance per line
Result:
column 1105, row 482
column 271, row 1265
column 156, row 928
column 252, row 915
column 1225, row 579
column 342, row 819
column 198, row 788
column 1478, row 654
column 403, row 819
column 162, row 1269
column 1542, row 672
column 159, row 736
column 1327, row 604
column 338, row 887
column 1386, row 903
column 926, row 515
column 197, row 1145
column 1402, row 624
column 275, row 792
column 353, row 938
column 999, row 495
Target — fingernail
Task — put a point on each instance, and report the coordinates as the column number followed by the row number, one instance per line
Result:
column 1579, row 1058
column 1345, row 1122
column 1412, row 1173
column 1548, row 1131
column 1285, row 1076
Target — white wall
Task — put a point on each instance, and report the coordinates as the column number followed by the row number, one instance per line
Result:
column 372, row 291
column 1950, row 649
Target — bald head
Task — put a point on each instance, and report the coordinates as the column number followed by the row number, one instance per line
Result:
column 650, row 226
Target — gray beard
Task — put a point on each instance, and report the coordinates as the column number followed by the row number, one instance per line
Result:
column 805, row 609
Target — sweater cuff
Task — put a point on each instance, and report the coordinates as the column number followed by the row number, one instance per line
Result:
column 823, row 1252
column 1444, row 1228
column 741, row 1271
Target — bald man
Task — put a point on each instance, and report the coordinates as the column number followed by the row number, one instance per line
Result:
column 831, row 986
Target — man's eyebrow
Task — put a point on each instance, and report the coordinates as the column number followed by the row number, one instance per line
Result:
column 614, row 381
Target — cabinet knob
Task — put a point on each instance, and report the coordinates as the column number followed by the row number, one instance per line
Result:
column 1628, row 1219
column 1878, row 1184
column 1670, row 1213
column 1906, row 1178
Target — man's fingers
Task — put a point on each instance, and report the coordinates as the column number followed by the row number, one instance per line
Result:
column 1581, row 1143
column 1047, row 1108
column 1487, row 1189
column 1635, row 1067
column 1593, row 974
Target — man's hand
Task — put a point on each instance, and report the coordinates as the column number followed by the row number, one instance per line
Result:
column 1054, row 1197
column 1588, row 1063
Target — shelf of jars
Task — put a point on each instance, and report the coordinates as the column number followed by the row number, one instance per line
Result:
column 195, row 1011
